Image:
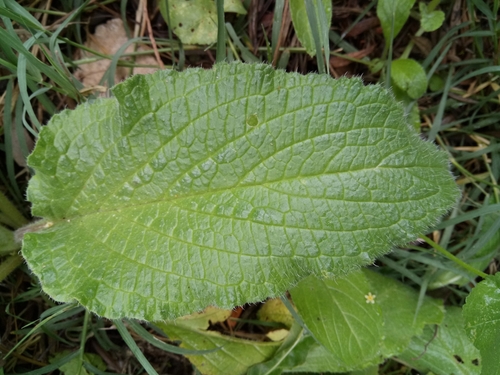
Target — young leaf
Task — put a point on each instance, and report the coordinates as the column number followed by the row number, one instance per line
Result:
column 393, row 13
column 444, row 349
column 431, row 20
column 409, row 76
column 482, row 322
column 337, row 312
column 224, row 186
column 302, row 25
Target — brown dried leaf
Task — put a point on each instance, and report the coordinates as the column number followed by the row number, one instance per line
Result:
column 364, row 25
column 108, row 39
column 338, row 62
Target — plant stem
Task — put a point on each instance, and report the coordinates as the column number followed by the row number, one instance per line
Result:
column 221, row 32
column 83, row 340
column 453, row 258
column 9, row 264
column 12, row 212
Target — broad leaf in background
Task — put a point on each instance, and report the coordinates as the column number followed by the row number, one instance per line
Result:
column 224, row 186
column 195, row 22
column 408, row 76
column 430, row 20
column 393, row 13
column 340, row 317
column 235, row 355
column 482, row 322
column 402, row 317
column 301, row 22
column 400, row 322
column 444, row 349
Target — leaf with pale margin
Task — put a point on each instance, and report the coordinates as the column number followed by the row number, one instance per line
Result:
column 444, row 349
column 234, row 355
column 166, row 198
column 481, row 313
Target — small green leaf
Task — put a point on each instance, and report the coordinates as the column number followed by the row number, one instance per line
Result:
column 337, row 311
column 430, row 20
column 301, row 22
column 444, row 349
column 235, row 356
column 409, row 76
column 482, row 322
column 436, row 83
column 162, row 200
column 393, row 13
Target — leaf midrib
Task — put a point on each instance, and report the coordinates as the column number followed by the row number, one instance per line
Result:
column 118, row 118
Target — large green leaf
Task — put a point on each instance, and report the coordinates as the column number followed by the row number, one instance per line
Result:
column 444, row 349
column 224, row 186
column 482, row 322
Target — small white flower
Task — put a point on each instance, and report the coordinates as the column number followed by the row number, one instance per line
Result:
column 370, row 298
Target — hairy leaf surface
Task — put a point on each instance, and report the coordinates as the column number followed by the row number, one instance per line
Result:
column 224, row 186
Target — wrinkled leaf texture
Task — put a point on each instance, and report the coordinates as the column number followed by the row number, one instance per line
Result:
column 224, row 186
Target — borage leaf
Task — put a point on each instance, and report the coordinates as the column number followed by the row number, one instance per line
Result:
column 224, row 186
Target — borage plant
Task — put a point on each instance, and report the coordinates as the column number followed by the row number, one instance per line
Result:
column 227, row 186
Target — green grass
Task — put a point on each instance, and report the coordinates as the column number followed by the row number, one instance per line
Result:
column 37, row 49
